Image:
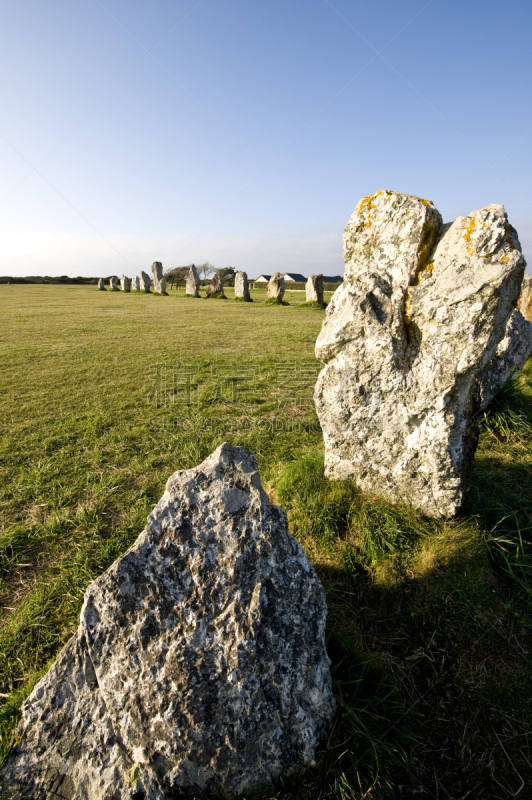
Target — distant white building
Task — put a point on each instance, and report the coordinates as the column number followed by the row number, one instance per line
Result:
column 262, row 279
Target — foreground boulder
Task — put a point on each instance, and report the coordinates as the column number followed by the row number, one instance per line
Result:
column 314, row 289
column 215, row 288
column 408, row 340
column 276, row 287
column 159, row 281
column 242, row 286
column 193, row 282
column 199, row 663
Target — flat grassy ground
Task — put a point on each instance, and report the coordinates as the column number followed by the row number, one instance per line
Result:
column 103, row 395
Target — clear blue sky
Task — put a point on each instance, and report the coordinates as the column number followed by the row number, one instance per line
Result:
column 244, row 133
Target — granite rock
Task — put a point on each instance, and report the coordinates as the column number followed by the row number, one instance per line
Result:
column 125, row 283
column 276, row 287
column 406, row 341
column 113, row 284
column 159, row 281
column 216, row 287
column 199, row 663
column 314, row 289
column 135, row 285
column 145, row 282
column 193, row 282
column 242, row 286
column 101, row 285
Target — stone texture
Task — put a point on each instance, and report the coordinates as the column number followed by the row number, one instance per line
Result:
column 314, row 289
column 242, row 285
column 159, row 281
column 406, row 341
column 199, row 663
column 275, row 288
column 101, row 285
column 125, row 283
column 113, row 284
column 193, row 282
column 216, row 287
column 136, row 284
column 145, row 282
column 514, row 349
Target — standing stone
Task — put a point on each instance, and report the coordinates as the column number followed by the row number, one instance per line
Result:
column 199, row 664
column 113, row 284
column 216, row 287
column 125, row 283
column 406, row 341
column 242, row 286
column 101, row 285
column 193, row 282
column 159, row 281
column 314, row 289
column 136, row 284
column 275, row 288
column 145, row 282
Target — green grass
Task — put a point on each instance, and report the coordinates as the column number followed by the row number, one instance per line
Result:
column 429, row 625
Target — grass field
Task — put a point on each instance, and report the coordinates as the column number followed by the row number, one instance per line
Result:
column 103, row 395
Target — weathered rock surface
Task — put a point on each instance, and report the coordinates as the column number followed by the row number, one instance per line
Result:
column 113, row 284
column 193, row 282
column 242, row 285
column 276, row 287
column 514, row 349
column 101, row 285
column 125, row 283
column 314, row 289
column 159, row 281
column 407, row 339
column 216, row 287
column 135, row 285
column 145, row 282
column 199, row 662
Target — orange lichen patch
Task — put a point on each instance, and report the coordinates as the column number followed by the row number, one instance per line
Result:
column 469, row 234
column 423, row 273
column 505, row 259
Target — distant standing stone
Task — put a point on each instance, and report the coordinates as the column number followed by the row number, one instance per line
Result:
column 192, row 284
column 101, row 285
column 159, row 281
column 314, row 289
column 125, row 283
column 199, row 665
column 113, row 284
column 145, row 282
column 242, row 286
column 275, row 288
column 136, row 284
column 216, row 288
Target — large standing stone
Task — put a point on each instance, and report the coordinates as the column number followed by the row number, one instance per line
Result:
column 275, row 288
column 242, row 286
column 136, row 284
column 406, row 340
column 159, row 281
column 113, row 284
column 314, row 289
column 193, row 282
column 145, row 282
column 216, row 287
column 125, row 283
column 199, row 663
column 101, row 285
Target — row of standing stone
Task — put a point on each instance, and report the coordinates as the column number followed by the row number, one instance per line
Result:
column 274, row 291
